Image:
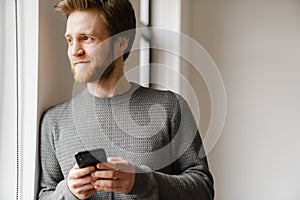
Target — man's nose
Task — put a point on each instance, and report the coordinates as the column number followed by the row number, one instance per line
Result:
column 77, row 49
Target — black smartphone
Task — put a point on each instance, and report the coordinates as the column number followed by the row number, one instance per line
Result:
column 90, row 157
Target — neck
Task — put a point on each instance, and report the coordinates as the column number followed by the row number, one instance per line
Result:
column 115, row 84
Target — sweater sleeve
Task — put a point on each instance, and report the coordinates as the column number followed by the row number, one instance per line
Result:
column 194, row 182
column 52, row 183
column 191, row 178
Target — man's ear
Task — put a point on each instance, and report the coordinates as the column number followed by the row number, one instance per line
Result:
column 121, row 44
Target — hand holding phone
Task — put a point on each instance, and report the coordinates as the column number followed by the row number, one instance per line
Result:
column 90, row 157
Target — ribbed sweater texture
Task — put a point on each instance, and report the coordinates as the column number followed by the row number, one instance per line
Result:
column 154, row 130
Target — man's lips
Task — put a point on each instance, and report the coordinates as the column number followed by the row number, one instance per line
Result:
column 81, row 62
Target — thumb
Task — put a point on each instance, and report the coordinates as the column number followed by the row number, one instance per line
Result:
column 114, row 159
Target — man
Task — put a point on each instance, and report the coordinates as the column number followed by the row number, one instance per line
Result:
column 150, row 136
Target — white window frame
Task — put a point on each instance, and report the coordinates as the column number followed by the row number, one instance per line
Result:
column 27, row 119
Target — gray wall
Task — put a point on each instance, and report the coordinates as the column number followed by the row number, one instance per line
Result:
column 55, row 77
column 256, row 46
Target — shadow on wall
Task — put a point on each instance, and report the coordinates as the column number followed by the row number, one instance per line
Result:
column 55, row 77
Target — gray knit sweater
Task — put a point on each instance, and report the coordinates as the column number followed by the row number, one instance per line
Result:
column 154, row 130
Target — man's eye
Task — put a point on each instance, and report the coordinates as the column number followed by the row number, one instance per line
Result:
column 88, row 39
column 69, row 41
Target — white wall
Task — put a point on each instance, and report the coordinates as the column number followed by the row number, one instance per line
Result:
column 7, row 102
column 256, row 46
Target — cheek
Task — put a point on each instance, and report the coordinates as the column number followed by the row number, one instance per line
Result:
column 97, row 56
column 96, row 52
column 101, row 52
column 69, row 53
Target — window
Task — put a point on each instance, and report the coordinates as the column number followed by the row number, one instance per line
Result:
column 145, row 44
column 20, row 42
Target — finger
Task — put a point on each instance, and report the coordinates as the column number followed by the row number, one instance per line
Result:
column 75, row 166
column 109, row 189
column 103, row 166
column 109, row 166
column 113, row 162
column 87, row 188
column 119, row 185
column 114, row 159
column 84, row 180
column 108, row 174
column 118, row 164
column 76, row 173
column 108, row 183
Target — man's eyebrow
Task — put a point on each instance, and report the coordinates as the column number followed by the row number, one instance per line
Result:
column 67, row 35
column 83, row 34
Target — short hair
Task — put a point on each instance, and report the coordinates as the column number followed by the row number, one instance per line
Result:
column 119, row 16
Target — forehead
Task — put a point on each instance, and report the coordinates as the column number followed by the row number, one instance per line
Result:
column 85, row 22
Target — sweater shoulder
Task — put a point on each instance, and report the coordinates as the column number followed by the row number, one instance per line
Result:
column 157, row 95
column 164, row 97
column 58, row 112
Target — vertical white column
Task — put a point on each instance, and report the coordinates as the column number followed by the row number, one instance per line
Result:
column 7, row 101
column 167, row 15
column 28, row 17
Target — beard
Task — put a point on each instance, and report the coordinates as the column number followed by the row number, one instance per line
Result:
column 92, row 72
